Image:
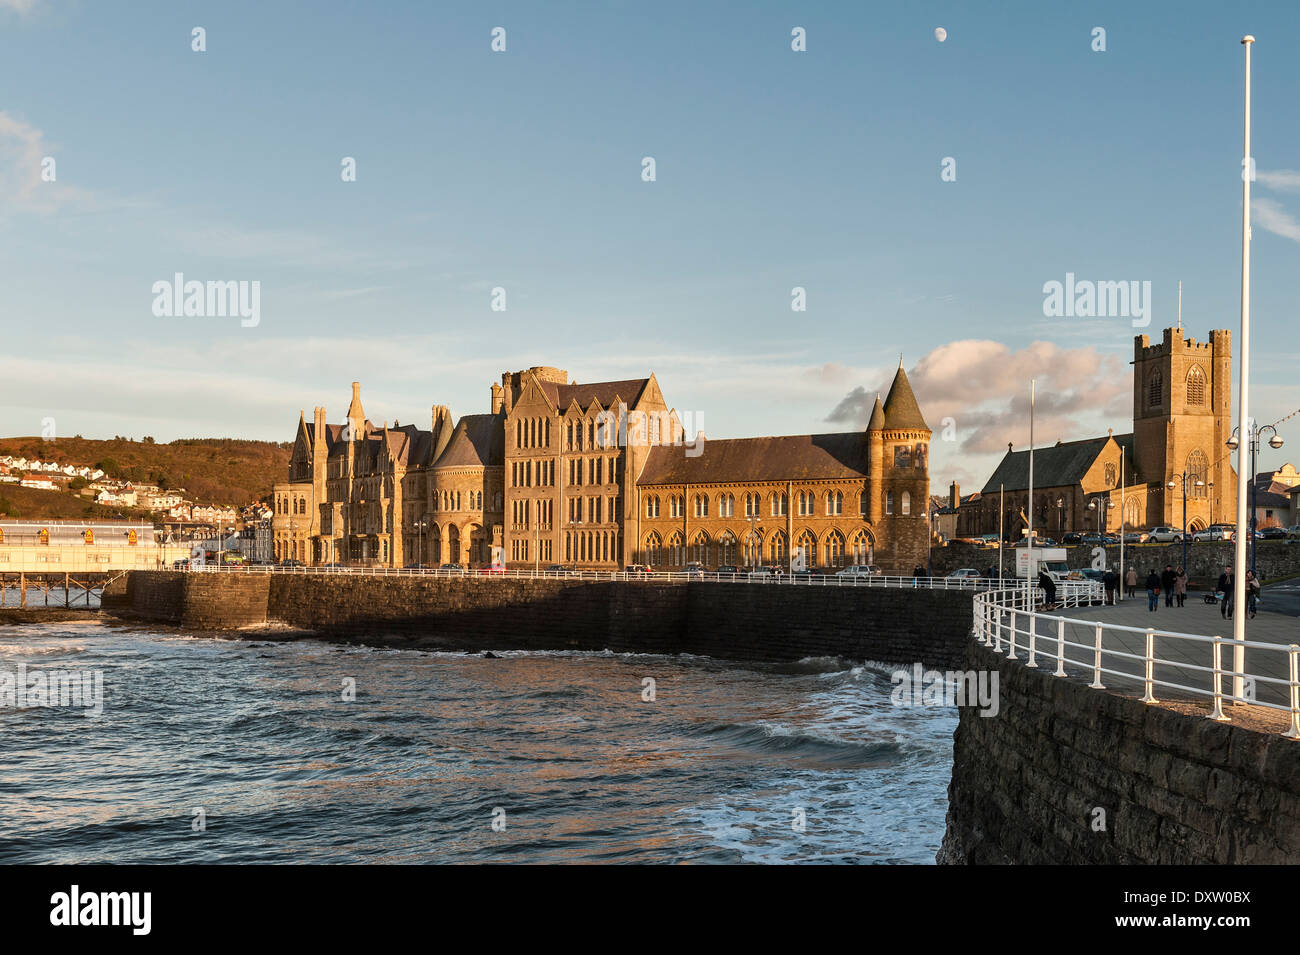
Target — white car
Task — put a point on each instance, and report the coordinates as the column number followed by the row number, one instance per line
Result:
column 1165, row 535
column 1293, row 532
column 964, row 572
column 1215, row 532
column 860, row 570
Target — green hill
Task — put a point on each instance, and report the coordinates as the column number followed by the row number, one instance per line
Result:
column 211, row 470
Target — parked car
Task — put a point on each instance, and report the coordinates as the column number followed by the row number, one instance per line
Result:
column 1099, row 540
column 694, row 568
column 1293, row 532
column 962, row 573
column 291, row 563
column 1088, row 573
column 729, row 570
column 490, row 569
column 1136, row 537
column 182, row 563
column 990, row 540
column 1215, row 532
column 460, row 567
column 629, row 569
column 1071, row 539
column 765, row 571
column 1272, row 534
column 861, row 570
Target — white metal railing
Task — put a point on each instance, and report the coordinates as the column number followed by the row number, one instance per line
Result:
column 1008, row 617
column 798, row 580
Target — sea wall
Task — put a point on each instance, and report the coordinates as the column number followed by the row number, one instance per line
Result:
column 1065, row 774
column 740, row 621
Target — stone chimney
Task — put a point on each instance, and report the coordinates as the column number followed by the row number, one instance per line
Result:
column 954, row 495
column 498, row 398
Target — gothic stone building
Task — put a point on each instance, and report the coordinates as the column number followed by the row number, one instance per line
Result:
column 599, row 476
column 1181, row 424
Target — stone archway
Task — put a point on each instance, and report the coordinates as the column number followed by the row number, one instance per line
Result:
column 454, row 555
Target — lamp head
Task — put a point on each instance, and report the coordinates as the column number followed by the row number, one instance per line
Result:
column 1232, row 443
column 1275, row 442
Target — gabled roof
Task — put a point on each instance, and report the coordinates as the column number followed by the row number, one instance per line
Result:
column 798, row 457
column 901, row 410
column 1058, row 465
column 478, row 441
column 604, row 392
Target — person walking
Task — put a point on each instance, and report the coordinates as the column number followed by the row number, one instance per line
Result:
column 1132, row 581
column 1167, row 584
column 1111, row 583
column 1180, row 586
column 1224, row 587
column 1252, row 593
column 1153, row 591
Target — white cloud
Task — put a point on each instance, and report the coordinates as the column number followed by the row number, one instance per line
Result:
column 18, row 6
column 1273, row 218
column 1283, row 180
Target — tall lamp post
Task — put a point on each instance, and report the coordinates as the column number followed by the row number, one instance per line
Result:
column 1182, row 479
column 1060, row 517
column 420, row 525
column 754, row 551
column 1274, row 442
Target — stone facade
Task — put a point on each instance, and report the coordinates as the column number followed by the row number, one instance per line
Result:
column 599, row 476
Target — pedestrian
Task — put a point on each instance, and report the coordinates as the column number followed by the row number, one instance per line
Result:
column 1153, row 591
column 1252, row 593
column 1132, row 581
column 1224, row 587
column 1180, row 586
column 1167, row 584
column 991, row 572
column 1049, row 589
column 1111, row 583
column 918, row 571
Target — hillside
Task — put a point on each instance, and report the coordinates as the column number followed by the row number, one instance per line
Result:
column 35, row 504
column 212, row 470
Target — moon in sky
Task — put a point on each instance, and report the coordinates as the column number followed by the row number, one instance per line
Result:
column 940, row 34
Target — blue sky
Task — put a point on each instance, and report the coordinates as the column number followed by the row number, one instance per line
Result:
column 522, row 170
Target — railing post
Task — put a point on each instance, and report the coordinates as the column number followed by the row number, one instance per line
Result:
column 1033, row 639
column 1294, row 731
column 1096, row 683
column 1011, row 652
column 1149, row 667
column 1060, row 647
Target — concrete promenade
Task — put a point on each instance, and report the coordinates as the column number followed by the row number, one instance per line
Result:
column 1189, row 662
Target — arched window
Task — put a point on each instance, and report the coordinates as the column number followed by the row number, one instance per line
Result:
column 653, row 550
column 861, row 549
column 1198, row 470
column 907, row 503
column 726, row 505
column 1155, row 390
column 676, row 550
column 808, row 544
column 889, row 502
column 727, row 548
column 701, row 505
column 1195, row 386
column 834, row 502
column 862, row 503
column 700, row 548
column 776, row 548
column 835, row 549
column 780, row 505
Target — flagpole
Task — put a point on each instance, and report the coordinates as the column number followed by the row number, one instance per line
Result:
column 1029, row 516
column 1245, row 427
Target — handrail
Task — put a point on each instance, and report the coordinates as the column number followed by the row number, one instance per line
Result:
column 1009, row 616
column 1076, row 591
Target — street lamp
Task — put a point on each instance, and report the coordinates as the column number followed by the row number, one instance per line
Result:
column 1101, row 515
column 420, row 525
column 1182, row 479
column 1233, row 443
column 1060, row 516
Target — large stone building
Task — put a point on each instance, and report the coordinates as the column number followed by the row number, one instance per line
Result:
column 1181, row 424
column 600, row 476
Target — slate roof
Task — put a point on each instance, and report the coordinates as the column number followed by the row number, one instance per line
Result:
column 1057, row 465
column 901, row 410
column 602, row 391
column 743, row 460
column 478, row 441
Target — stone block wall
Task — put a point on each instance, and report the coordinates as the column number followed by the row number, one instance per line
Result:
column 1175, row 788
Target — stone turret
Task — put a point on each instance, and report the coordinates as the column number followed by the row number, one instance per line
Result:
column 876, row 464
column 442, row 431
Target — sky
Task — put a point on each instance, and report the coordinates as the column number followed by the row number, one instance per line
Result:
column 523, row 170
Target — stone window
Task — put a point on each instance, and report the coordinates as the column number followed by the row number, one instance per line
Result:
column 907, row 503
column 835, row 549
column 1195, row 386
column 834, row 503
column 1198, row 469
column 701, row 505
column 808, row 544
column 776, row 548
column 1155, row 390
column 726, row 505
column 862, row 503
column 780, row 505
column 889, row 502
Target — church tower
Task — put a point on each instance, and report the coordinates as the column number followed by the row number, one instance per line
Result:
column 900, row 489
column 1182, row 419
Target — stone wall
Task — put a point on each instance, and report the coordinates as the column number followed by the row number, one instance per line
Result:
column 760, row 622
column 1176, row 788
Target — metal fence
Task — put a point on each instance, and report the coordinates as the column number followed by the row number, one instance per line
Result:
column 1007, row 618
